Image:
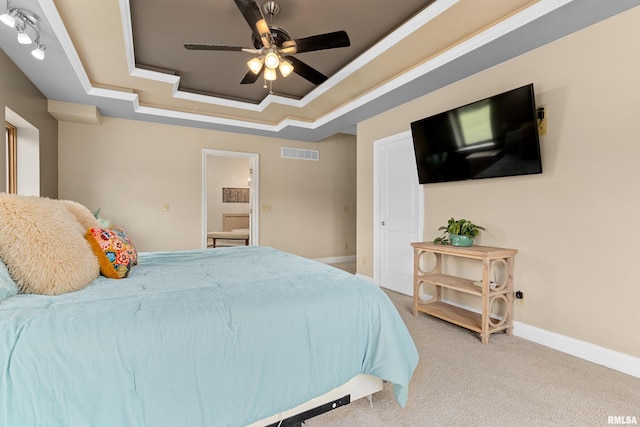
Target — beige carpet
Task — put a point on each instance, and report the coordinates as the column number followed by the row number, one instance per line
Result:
column 509, row 382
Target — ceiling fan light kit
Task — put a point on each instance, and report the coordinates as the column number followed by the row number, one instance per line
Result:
column 274, row 46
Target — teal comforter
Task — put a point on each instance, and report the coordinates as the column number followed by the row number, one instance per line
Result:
column 220, row 337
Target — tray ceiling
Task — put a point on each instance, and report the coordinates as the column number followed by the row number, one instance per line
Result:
column 127, row 58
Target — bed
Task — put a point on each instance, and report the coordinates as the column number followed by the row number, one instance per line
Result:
column 232, row 337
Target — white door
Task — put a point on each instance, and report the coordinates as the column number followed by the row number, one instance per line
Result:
column 400, row 207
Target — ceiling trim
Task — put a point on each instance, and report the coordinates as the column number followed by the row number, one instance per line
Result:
column 55, row 21
column 405, row 30
column 502, row 28
column 512, row 23
column 65, row 79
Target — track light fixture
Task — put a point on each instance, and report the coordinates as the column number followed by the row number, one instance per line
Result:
column 24, row 22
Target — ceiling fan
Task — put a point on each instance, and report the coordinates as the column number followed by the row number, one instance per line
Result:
column 274, row 46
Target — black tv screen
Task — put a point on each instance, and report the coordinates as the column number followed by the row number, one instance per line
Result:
column 493, row 137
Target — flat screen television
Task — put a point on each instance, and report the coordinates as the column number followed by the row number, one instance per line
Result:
column 493, row 137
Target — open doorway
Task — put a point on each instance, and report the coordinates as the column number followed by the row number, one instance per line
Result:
column 229, row 196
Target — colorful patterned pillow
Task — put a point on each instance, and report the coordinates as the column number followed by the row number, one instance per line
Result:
column 133, row 252
column 114, row 254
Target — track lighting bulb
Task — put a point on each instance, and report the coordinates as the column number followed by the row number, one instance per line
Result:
column 38, row 52
column 9, row 18
column 23, row 37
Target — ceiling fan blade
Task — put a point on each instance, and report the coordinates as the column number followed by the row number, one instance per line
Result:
column 251, row 77
column 252, row 13
column 332, row 40
column 306, row 71
column 197, row 46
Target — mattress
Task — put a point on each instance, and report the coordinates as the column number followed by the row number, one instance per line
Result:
column 219, row 337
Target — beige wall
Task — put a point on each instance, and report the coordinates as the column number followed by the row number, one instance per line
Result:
column 23, row 98
column 574, row 225
column 130, row 169
column 576, row 267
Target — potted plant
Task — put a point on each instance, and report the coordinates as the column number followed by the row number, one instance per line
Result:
column 459, row 232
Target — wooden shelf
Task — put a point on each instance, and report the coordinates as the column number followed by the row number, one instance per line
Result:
column 451, row 313
column 451, row 282
column 458, row 316
column 483, row 322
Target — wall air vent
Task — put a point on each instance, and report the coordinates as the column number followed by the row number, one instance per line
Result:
column 298, row 153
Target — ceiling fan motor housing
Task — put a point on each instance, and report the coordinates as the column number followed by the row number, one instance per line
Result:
column 280, row 35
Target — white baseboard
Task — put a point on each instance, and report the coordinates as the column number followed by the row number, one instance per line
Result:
column 593, row 353
column 337, row 259
column 621, row 362
column 616, row 360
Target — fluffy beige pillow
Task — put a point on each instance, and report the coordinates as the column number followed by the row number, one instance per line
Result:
column 43, row 246
column 82, row 214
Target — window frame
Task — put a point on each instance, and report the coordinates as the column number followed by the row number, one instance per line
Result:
column 11, row 136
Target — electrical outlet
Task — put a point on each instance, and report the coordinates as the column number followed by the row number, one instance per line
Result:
column 519, row 297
